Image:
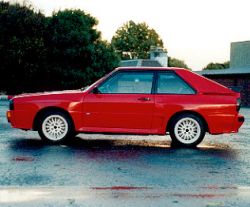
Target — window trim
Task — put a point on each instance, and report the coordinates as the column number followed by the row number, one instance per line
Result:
column 173, row 72
column 130, row 71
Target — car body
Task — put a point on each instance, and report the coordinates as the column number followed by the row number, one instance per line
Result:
column 133, row 101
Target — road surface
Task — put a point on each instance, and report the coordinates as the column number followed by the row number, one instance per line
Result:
column 108, row 170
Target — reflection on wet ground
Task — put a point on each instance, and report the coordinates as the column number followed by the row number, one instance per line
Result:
column 128, row 145
column 121, row 143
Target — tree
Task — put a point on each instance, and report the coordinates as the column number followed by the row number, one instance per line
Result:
column 217, row 66
column 22, row 49
column 40, row 53
column 174, row 62
column 76, row 47
column 134, row 40
column 76, row 50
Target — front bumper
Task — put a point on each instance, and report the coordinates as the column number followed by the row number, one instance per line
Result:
column 20, row 119
column 9, row 116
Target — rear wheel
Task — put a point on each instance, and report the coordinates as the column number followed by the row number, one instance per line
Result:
column 187, row 130
column 55, row 127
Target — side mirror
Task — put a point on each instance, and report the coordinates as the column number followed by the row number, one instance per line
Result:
column 96, row 90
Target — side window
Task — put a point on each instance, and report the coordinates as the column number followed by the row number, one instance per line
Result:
column 128, row 82
column 170, row 83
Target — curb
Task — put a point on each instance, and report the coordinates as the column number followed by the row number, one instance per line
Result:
column 3, row 98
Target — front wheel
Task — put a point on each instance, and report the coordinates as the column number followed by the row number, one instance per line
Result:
column 187, row 130
column 55, row 127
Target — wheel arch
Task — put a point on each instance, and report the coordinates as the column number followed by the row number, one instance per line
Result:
column 187, row 112
column 50, row 109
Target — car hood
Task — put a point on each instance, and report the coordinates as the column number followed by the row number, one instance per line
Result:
column 67, row 95
column 39, row 94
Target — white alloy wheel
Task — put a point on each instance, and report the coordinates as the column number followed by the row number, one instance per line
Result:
column 187, row 130
column 55, row 127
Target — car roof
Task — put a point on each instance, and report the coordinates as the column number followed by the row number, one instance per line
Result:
column 198, row 82
column 150, row 68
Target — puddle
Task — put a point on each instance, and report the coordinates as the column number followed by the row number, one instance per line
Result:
column 23, row 159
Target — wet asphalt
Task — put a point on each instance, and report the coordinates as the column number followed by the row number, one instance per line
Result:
column 122, row 170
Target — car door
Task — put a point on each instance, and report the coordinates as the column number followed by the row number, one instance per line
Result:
column 122, row 103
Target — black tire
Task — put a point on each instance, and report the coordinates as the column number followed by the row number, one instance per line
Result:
column 64, row 127
column 187, row 130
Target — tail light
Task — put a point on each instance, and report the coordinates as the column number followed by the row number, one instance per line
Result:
column 238, row 104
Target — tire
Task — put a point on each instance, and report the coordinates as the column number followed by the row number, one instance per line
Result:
column 187, row 130
column 55, row 127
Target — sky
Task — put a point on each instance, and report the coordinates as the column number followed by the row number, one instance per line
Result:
column 196, row 31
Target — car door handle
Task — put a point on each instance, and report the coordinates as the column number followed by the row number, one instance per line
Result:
column 144, row 99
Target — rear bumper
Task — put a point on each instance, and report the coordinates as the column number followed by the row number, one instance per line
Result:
column 220, row 124
column 238, row 122
column 241, row 119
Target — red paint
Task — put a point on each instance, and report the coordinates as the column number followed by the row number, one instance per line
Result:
column 112, row 155
column 121, row 188
column 215, row 187
column 127, row 113
column 10, row 97
column 23, row 159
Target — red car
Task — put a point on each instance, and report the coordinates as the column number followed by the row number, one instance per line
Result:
column 133, row 101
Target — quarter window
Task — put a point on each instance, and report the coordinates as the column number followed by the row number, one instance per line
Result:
column 170, row 83
column 128, row 83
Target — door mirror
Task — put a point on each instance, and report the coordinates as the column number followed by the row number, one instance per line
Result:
column 96, row 90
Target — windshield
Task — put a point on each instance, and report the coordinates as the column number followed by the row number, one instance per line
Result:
column 96, row 82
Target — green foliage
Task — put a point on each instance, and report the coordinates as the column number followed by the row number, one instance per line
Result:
column 134, row 40
column 75, row 46
column 174, row 62
column 217, row 66
column 22, row 49
column 49, row 53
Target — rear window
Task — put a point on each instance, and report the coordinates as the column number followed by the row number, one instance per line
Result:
column 170, row 83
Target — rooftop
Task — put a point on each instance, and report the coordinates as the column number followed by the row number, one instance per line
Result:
column 149, row 68
column 229, row 71
column 140, row 63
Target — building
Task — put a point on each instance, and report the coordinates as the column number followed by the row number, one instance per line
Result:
column 158, row 58
column 237, row 76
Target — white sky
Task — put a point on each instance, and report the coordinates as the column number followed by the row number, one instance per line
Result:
column 196, row 31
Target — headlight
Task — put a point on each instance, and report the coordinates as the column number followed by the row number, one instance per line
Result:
column 238, row 104
column 11, row 104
